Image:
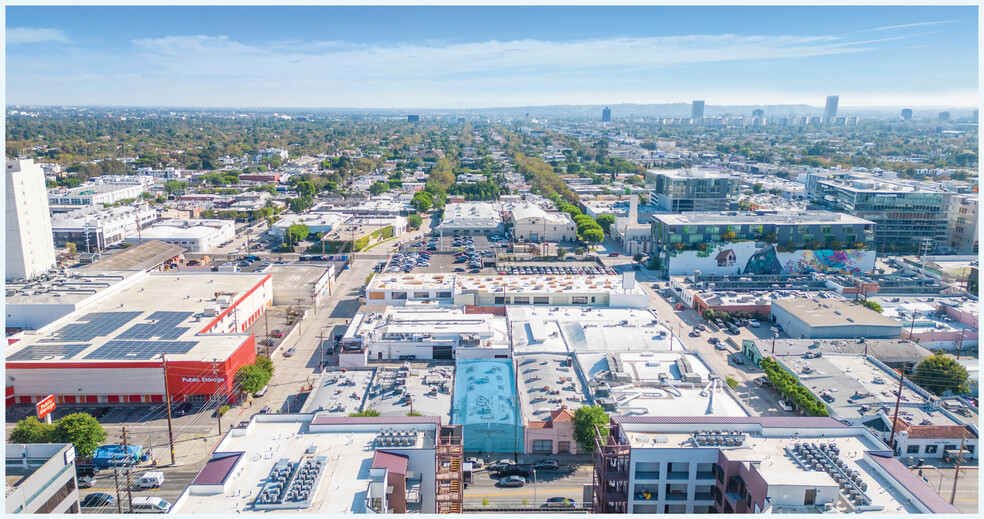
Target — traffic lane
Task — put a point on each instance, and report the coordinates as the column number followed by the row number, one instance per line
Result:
column 176, row 480
column 566, row 481
column 941, row 480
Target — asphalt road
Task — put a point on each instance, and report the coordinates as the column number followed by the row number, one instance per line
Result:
column 176, row 480
column 968, row 490
column 568, row 481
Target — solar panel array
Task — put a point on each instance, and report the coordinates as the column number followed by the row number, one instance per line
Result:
column 40, row 351
column 98, row 324
column 165, row 327
column 138, row 350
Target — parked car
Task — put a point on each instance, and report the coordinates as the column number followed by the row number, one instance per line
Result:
column 289, row 353
column 512, row 481
column 546, row 465
column 261, row 392
column 477, row 463
column 784, row 405
column 713, row 340
column 150, row 480
column 501, row 464
column 97, row 499
column 182, row 409
column 763, row 382
column 754, row 323
column 720, row 346
column 86, row 481
column 150, row 505
column 516, row 470
column 738, row 360
column 695, row 332
column 266, row 410
column 613, row 255
column 679, row 306
column 277, row 333
column 560, row 502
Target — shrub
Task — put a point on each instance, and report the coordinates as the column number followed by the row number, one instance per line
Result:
column 223, row 410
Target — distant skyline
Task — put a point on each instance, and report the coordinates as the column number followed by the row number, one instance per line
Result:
column 478, row 57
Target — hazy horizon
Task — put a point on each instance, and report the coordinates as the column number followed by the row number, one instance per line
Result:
column 457, row 58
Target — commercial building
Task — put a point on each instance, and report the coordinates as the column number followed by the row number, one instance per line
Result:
column 317, row 223
column 895, row 353
column 199, row 235
column 149, row 256
column 28, row 247
column 752, row 465
column 962, row 233
column 300, row 284
column 40, row 479
column 772, row 243
column 830, row 110
column 697, row 111
column 861, row 390
column 94, row 228
column 62, row 199
column 907, row 114
column 486, row 406
column 568, row 330
column 817, row 318
column 422, row 332
column 696, row 189
column 532, row 223
column 32, row 305
column 113, row 349
column 630, row 233
column 315, row 463
column 906, row 214
column 606, row 115
column 472, row 218
column 499, row 290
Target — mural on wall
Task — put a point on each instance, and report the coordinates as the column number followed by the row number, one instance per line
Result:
column 762, row 258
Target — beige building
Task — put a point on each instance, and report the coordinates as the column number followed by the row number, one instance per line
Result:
column 532, row 223
column 29, row 247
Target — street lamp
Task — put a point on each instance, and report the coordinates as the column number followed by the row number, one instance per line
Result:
column 151, row 446
column 534, row 488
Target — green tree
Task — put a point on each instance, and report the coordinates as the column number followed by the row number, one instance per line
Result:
column 638, row 257
column 732, row 383
column 415, row 221
column 757, row 187
column 265, row 364
column 366, row 412
column 728, row 236
column 414, row 413
column 579, row 251
column 32, row 430
column 72, row 248
column 173, row 186
column 306, row 188
column 251, row 378
column 561, row 252
column 585, row 420
column 378, row 188
column 593, row 235
column 940, row 374
column 606, row 221
column 422, row 201
column 872, row 305
column 296, row 233
column 81, row 430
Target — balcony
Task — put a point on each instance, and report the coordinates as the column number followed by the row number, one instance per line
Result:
column 677, row 475
column 704, row 496
column 676, row 496
column 646, row 474
column 705, row 475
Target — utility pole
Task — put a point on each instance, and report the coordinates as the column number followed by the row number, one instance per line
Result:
column 215, row 377
column 266, row 320
column 129, row 490
column 321, row 346
column 116, row 479
column 956, row 472
column 167, row 403
column 898, row 400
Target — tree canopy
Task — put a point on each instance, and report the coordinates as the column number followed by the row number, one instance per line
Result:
column 585, row 420
column 80, row 429
column 940, row 374
column 296, row 233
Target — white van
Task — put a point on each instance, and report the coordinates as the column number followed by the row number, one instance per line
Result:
column 261, row 392
column 150, row 505
column 150, row 480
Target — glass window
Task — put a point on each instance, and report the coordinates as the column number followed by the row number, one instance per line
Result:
column 541, row 300
column 521, row 300
column 931, row 449
column 444, row 294
column 579, row 300
column 421, row 295
column 912, row 449
column 399, row 295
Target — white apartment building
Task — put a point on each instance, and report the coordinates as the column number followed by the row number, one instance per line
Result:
column 168, row 173
column 93, row 228
column 28, row 247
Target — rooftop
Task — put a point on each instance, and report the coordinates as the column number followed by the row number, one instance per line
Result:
column 159, row 313
column 348, row 448
column 548, row 382
column 580, row 329
column 761, row 217
column 889, row 351
column 681, row 174
column 147, row 255
column 66, row 287
column 427, row 384
column 428, row 323
column 819, row 312
column 543, row 283
column 471, row 215
column 769, row 446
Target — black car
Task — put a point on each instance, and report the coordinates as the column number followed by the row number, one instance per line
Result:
column 86, row 469
column 97, row 499
column 182, row 409
column 515, row 470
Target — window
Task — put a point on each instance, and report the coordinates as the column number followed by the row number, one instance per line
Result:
column 399, row 295
column 541, row 300
column 543, row 446
column 421, row 295
column 950, row 448
column 521, row 300
column 377, row 295
column 499, row 300
column 444, row 294
column 579, row 300
column 912, row 449
column 931, row 449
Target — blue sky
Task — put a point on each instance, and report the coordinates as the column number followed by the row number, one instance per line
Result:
column 459, row 57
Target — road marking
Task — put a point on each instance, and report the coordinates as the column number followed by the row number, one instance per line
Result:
column 524, row 493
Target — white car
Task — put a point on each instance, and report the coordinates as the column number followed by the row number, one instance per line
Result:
column 785, row 405
column 753, row 323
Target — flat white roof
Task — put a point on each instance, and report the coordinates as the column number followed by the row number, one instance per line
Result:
column 581, row 329
column 349, row 452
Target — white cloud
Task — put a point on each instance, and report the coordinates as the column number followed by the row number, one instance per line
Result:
column 906, row 25
column 35, row 35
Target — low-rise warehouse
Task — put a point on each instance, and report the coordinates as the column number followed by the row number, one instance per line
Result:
column 113, row 350
column 819, row 318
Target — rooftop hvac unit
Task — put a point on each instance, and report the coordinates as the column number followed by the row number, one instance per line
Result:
column 212, row 310
column 224, row 301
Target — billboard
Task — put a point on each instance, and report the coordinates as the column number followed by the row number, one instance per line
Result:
column 46, row 406
column 749, row 257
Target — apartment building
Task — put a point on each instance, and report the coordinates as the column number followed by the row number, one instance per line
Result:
column 28, row 246
column 963, row 220
column 94, row 228
column 692, row 190
column 67, row 199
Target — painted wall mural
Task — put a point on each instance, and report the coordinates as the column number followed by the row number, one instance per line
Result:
column 751, row 257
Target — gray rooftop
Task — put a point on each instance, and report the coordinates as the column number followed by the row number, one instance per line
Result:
column 833, row 312
column 739, row 218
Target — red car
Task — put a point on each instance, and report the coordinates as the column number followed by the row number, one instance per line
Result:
column 277, row 333
column 679, row 306
column 613, row 255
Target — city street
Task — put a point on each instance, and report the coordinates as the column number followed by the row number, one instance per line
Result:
column 941, row 480
column 568, row 481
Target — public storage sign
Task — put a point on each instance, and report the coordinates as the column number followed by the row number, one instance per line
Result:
column 46, row 406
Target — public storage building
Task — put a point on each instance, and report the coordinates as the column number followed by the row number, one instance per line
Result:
column 113, row 350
